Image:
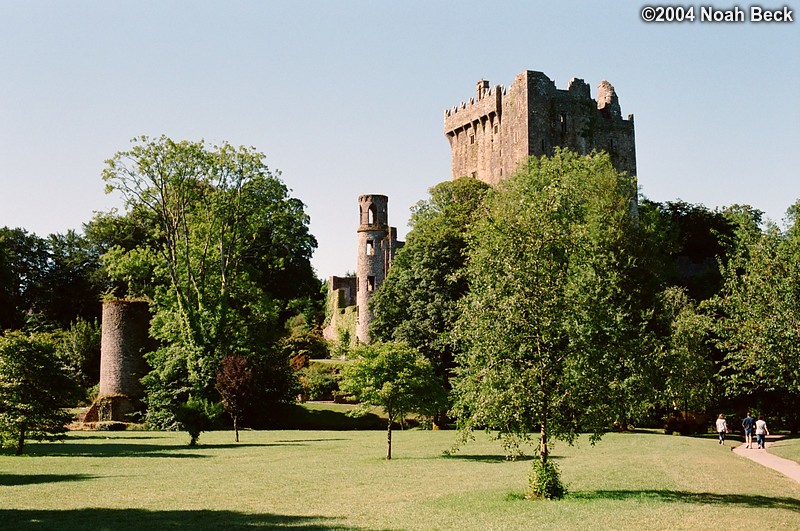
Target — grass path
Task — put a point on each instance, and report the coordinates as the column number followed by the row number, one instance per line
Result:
column 338, row 480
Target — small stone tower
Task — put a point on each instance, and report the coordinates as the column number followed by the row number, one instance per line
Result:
column 123, row 341
column 377, row 244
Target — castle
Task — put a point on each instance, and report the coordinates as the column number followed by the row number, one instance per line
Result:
column 498, row 129
column 489, row 136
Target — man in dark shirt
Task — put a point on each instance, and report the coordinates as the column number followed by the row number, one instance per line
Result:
column 748, row 424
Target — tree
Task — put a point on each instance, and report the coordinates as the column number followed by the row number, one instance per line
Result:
column 23, row 264
column 418, row 302
column 79, row 348
column 47, row 283
column 229, row 251
column 695, row 242
column 34, row 390
column 687, row 362
column 395, row 377
column 551, row 335
column 234, row 379
column 759, row 323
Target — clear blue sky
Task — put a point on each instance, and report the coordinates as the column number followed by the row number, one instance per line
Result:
column 347, row 97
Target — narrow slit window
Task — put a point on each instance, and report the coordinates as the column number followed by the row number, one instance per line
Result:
column 370, row 248
column 371, row 215
column 370, row 283
column 563, row 122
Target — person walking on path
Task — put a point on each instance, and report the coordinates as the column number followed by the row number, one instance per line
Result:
column 761, row 431
column 722, row 428
column 748, row 424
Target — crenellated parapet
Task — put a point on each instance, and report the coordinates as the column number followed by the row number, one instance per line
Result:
column 484, row 106
column 494, row 132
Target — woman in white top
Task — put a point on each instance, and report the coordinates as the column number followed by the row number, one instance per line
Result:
column 761, row 431
column 722, row 428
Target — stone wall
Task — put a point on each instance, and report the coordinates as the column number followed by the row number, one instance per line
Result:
column 497, row 130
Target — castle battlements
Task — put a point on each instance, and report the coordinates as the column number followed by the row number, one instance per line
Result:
column 500, row 127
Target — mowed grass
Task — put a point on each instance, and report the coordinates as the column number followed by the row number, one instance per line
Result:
column 339, row 480
column 786, row 448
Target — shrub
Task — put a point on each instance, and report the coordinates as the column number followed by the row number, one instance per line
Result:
column 299, row 361
column 111, row 425
column 319, row 382
column 544, row 481
column 196, row 416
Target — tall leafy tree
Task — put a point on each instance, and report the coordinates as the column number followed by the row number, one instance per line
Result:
column 23, row 265
column 550, row 331
column 687, row 359
column 34, row 390
column 418, row 302
column 760, row 314
column 233, row 249
column 47, row 282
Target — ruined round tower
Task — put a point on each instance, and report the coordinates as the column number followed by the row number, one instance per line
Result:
column 374, row 255
column 122, row 344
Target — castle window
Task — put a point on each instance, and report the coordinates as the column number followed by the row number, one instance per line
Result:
column 543, row 147
column 370, row 283
column 471, row 139
column 370, row 248
column 564, row 122
column 474, row 175
column 496, row 128
column 371, row 215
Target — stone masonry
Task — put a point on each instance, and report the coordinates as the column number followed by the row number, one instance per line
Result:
column 377, row 245
column 498, row 129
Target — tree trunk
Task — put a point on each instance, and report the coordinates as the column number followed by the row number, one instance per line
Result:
column 389, row 440
column 236, row 428
column 21, row 440
column 543, row 442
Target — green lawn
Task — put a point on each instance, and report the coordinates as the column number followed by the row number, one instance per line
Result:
column 786, row 448
column 329, row 480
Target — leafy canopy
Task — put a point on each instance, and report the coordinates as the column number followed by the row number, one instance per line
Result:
column 227, row 252
column 395, row 377
column 34, row 390
column 549, row 328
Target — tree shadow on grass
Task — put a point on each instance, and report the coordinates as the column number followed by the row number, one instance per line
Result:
column 703, row 498
column 11, row 480
column 124, row 519
column 487, row 458
column 95, row 436
column 109, row 450
column 125, row 449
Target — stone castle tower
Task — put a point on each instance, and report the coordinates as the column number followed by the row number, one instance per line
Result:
column 349, row 296
column 498, row 129
column 377, row 245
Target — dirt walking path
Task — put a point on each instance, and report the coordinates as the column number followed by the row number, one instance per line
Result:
column 788, row 468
